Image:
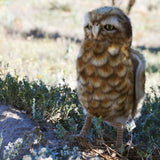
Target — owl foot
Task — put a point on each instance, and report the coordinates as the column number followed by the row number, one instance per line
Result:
column 120, row 148
column 82, row 140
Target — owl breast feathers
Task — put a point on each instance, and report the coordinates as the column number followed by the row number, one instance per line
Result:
column 110, row 74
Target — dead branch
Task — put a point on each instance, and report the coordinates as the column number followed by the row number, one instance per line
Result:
column 130, row 5
column 113, row 2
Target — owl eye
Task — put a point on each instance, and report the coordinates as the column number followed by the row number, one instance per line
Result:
column 109, row 27
column 89, row 27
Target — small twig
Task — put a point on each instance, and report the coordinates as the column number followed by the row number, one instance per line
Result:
column 158, row 151
column 130, row 5
column 130, row 144
column 107, row 157
column 113, row 2
column 113, row 150
column 100, row 154
column 157, row 148
column 108, row 151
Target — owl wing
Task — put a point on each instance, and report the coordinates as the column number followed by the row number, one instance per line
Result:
column 138, row 61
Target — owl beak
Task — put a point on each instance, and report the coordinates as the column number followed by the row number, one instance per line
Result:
column 95, row 30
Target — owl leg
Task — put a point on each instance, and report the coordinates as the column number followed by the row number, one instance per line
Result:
column 81, row 138
column 86, row 126
column 119, row 141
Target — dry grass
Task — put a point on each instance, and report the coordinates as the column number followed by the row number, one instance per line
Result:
column 49, row 56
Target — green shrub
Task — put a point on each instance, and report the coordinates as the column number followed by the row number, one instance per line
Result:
column 146, row 134
column 48, row 101
column 60, row 106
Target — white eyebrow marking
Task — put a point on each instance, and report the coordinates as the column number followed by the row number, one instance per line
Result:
column 113, row 21
column 86, row 19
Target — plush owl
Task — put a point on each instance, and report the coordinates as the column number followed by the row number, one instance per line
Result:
column 110, row 74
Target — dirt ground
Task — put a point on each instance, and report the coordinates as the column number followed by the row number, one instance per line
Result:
column 15, row 124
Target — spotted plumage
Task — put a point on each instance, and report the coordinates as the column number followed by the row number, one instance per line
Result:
column 108, row 70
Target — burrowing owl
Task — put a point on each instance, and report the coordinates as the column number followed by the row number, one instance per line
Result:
column 110, row 74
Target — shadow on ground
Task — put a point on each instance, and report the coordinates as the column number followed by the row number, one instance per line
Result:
column 40, row 34
column 153, row 50
column 14, row 124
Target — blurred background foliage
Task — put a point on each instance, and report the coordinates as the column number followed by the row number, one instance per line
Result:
column 41, row 39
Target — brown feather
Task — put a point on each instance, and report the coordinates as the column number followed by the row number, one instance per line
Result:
column 110, row 74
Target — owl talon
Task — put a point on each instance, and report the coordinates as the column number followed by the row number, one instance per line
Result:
column 82, row 140
column 80, row 136
column 119, row 148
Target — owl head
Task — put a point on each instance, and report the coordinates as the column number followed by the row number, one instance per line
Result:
column 108, row 24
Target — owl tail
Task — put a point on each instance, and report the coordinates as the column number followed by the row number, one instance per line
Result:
column 138, row 61
column 136, row 112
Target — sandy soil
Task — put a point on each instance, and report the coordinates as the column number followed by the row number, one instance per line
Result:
column 15, row 124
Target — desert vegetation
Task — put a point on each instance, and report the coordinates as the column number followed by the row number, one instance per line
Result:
column 39, row 43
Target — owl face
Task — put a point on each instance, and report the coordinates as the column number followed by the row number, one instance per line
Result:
column 108, row 24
